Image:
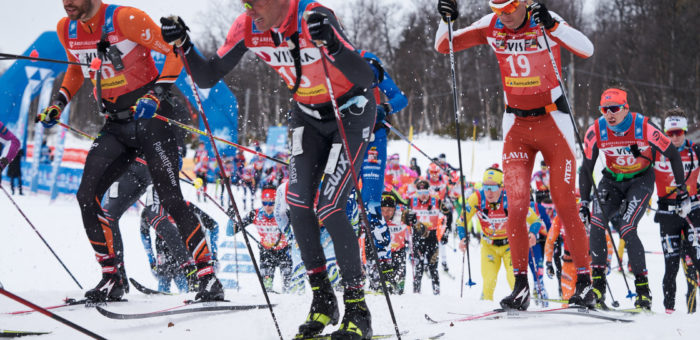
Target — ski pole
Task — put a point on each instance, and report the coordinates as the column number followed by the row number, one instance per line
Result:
column 193, row 87
column 459, row 146
column 200, row 132
column 630, row 295
column 358, row 196
column 49, row 314
column 41, row 237
column 5, row 56
column 615, row 303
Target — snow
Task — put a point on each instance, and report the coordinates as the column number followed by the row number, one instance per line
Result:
column 29, row 270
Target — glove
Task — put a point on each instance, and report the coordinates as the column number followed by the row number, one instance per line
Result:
column 146, row 106
column 541, row 16
column 683, row 203
column 411, row 218
column 198, row 183
column 463, row 244
column 584, row 213
column 50, row 116
column 550, row 270
column 174, row 32
column 3, row 163
column 448, row 8
column 444, row 238
column 444, row 208
column 321, row 30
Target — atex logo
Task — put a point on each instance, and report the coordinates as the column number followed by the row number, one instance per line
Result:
column 515, row 155
column 567, row 171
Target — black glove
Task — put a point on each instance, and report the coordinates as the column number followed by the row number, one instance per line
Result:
column 321, row 30
column 541, row 15
column 411, row 218
column 448, row 8
column 444, row 238
column 550, row 270
column 174, row 30
column 683, row 203
column 3, row 163
column 584, row 212
column 444, row 208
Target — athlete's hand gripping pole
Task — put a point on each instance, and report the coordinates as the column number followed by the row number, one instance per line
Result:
column 228, row 187
column 630, row 295
column 360, row 204
column 459, row 151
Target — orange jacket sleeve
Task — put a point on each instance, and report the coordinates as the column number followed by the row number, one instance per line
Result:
column 137, row 26
column 552, row 236
column 73, row 79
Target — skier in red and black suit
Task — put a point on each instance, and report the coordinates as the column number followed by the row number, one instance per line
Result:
column 628, row 142
column 677, row 235
column 131, row 92
column 277, row 32
column 536, row 119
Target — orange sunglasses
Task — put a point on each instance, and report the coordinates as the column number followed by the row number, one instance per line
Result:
column 505, row 8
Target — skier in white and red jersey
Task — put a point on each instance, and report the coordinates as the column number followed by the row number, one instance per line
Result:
column 283, row 34
column 274, row 247
column 536, row 119
column 677, row 234
column 628, row 142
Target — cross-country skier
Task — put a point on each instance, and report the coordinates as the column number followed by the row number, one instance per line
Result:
column 130, row 92
column 375, row 161
column 424, row 216
column 275, row 250
column 9, row 147
column 439, row 179
column 201, row 169
column 490, row 205
column 628, row 142
column 535, row 120
column 171, row 262
column 399, row 240
column 676, row 230
column 277, row 28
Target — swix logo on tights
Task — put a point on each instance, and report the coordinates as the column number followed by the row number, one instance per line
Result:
column 567, row 172
column 631, row 207
column 336, row 177
column 515, row 155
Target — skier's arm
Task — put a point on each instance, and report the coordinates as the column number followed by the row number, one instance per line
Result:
column 346, row 58
column 570, row 38
column 73, row 78
column 533, row 221
column 552, row 236
column 10, row 144
column 139, row 27
column 463, row 38
column 471, row 207
column 590, row 155
column 206, row 73
column 397, row 100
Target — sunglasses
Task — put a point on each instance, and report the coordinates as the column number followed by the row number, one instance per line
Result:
column 268, row 203
column 611, row 108
column 423, row 192
column 675, row 133
column 508, row 8
column 491, row 187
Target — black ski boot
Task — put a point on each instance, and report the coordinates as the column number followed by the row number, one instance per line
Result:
column 357, row 321
column 324, row 307
column 520, row 297
column 584, row 295
column 111, row 287
column 599, row 286
column 190, row 272
column 122, row 272
column 643, row 301
column 210, row 289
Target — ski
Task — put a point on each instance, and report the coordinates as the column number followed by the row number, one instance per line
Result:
column 67, row 303
column 328, row 336
column 204, row 307
column 628, row 311
column 145, row 290
column 4, row 333
column 497, row 313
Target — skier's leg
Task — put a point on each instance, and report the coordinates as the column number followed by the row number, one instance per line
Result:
column 433, row 256
column 610, row 199
column 669, row 228
column 490, row 265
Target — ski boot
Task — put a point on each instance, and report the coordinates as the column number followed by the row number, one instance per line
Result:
column 643, row 300
column 584, row 295
column 599, row 286
column 520, row 297
column 388, row 274
column 210, row 289
column 324, row 307
column 190, row 273
column 357, row 321
column 111, row 287
column 445, row 268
